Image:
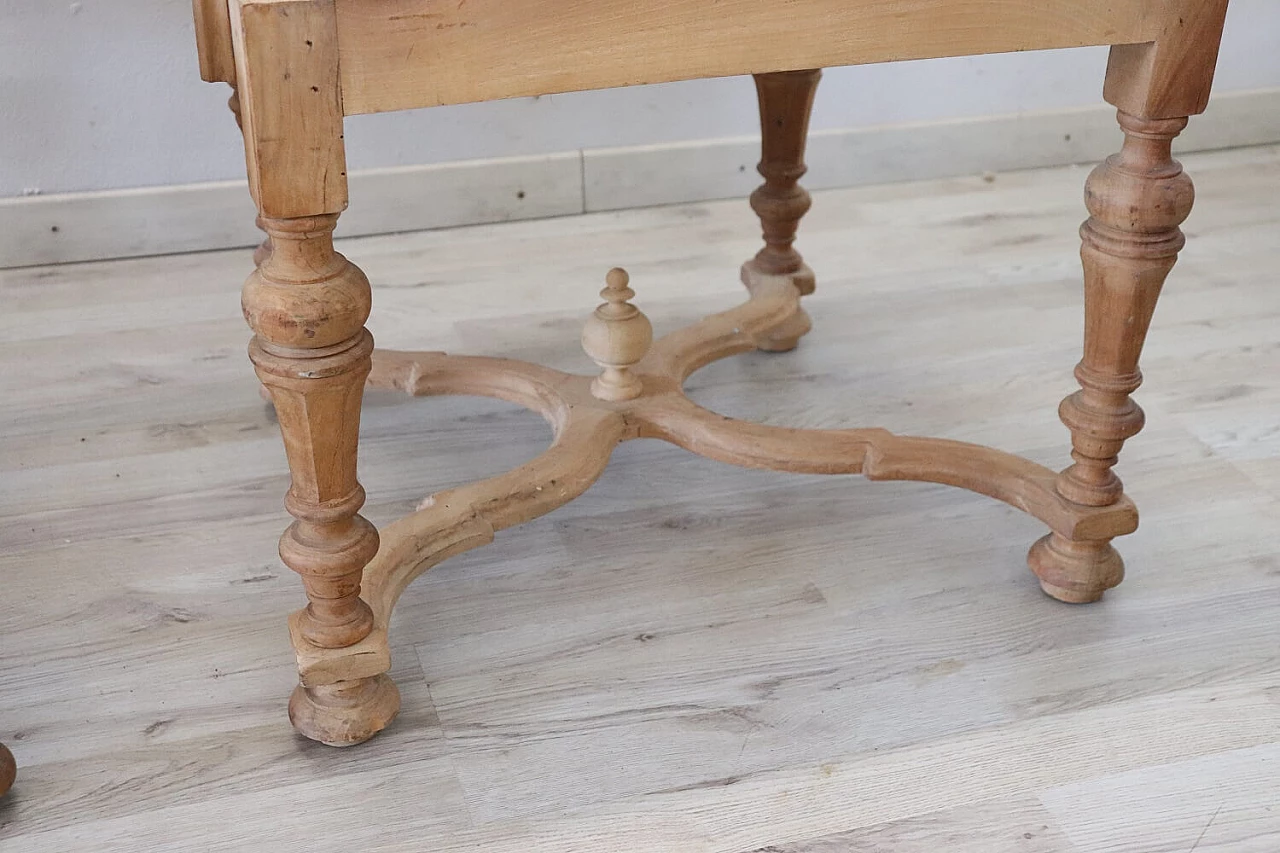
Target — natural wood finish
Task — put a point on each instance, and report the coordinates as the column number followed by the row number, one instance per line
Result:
column 8, row 770
column 616, row 337
column 307, row 305
column 1136, row 201
column 291, row 105
column 233, row 104
column 302, row 64
column 400, row 54
column 691, row 657
column 213, row 41
column 264, row 248
column 344, row 713
column 786, row 102
column 451, row 522
column 1171, row 75
column 589, row 424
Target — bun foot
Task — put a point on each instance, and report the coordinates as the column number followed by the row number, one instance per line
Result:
column 786, row 335
column 8, row 769
column 345, row 713
column 1075, row 572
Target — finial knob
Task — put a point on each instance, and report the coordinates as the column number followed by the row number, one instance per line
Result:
column 616, row 337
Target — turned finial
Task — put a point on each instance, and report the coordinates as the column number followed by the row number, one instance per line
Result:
column 616, row 337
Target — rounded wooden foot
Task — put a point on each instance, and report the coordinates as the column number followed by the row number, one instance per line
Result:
column 786, row 335
column 1075, row 572
column 345, row 713
column 8, row 769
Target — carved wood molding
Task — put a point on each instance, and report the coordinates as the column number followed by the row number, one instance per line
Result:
column 587, row 429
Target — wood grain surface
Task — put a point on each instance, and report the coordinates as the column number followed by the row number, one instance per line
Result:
column 398, row 54
column 690, row 657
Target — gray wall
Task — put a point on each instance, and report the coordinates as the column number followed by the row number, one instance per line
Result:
column 105, row 94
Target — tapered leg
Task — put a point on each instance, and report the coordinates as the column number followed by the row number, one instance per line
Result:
column 786, row 100
column 1136, row 201
column 307, row 306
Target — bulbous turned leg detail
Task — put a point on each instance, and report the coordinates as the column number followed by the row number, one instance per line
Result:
column 307, row 305
column 786, row 101
column 1136, row 201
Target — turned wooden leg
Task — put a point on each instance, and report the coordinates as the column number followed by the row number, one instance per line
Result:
column 1136, row 201
column 786, row 100
column 307, row 306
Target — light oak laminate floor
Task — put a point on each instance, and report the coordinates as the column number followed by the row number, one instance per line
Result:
column 690, row 658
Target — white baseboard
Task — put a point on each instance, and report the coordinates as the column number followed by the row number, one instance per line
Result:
column 197, row 217
column 160, row 220
column 642, row 176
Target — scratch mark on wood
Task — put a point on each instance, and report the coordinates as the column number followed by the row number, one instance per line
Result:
column 1212, row 818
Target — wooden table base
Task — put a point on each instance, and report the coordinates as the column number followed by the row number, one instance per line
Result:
column 345, row 695
column 315, row 362
column 307, row 306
